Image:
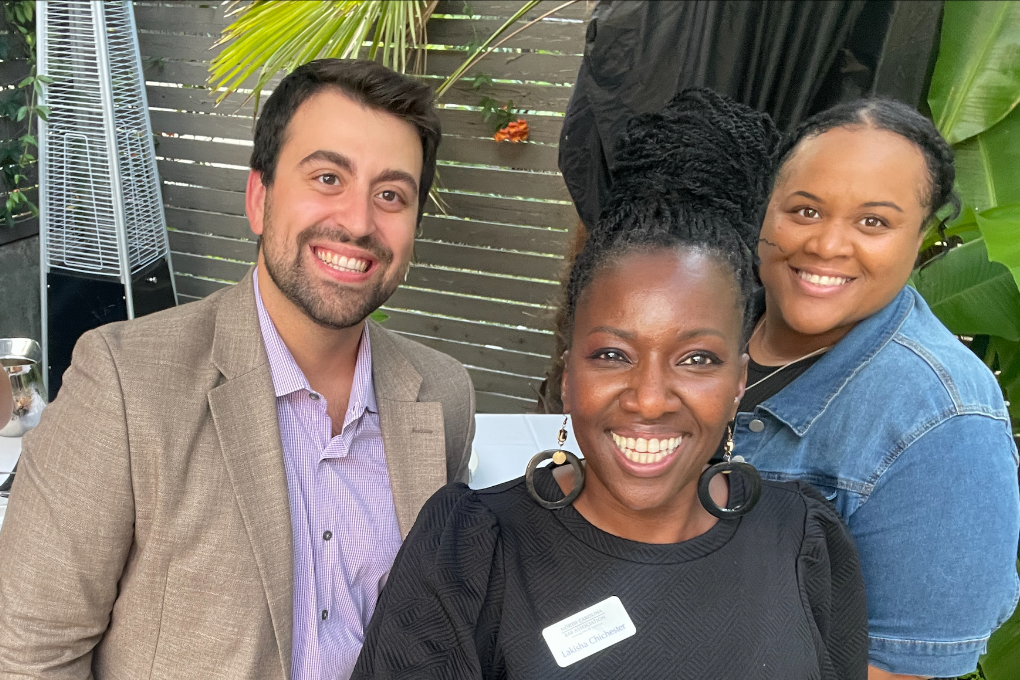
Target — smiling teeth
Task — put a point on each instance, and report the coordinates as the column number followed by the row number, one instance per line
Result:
column 341, row 263
column 645, row 451
column 823, row 280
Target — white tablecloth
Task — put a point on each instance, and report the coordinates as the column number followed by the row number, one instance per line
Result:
column 502, row 448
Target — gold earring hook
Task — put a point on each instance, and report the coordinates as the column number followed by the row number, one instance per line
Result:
column 559, row 458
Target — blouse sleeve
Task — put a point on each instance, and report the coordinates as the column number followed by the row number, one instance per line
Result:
column 426, row 623
column 833, row 590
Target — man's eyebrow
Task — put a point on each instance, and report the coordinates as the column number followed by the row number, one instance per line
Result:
column 879, row 204
column 399, row 176
column 337, row 159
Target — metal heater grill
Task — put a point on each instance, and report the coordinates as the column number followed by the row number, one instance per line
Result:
column 103, row 213
column 104, row 252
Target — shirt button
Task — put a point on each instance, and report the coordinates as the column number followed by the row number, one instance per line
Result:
column 756, row 425
column 314, row 396
column 326, row 535
column 325, row 614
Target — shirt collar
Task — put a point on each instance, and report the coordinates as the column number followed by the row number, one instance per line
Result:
column 800, row 403
column 288, row 376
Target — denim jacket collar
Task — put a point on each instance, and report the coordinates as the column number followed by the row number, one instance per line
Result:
column 800, row 404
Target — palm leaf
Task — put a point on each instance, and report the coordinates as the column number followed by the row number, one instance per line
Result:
column 271, row 36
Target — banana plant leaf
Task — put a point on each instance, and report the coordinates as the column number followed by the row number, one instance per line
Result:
column 988, row 164
column 970, row 294
column 965, row 226
column 1002, row 662
column 976, row 81
column 1000, row 228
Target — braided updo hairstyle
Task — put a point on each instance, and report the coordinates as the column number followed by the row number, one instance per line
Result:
column 695, row 176
column 898, row 118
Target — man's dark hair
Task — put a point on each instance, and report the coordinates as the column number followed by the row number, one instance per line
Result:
column 898, row 118
column 696, row 176
column 366, row 82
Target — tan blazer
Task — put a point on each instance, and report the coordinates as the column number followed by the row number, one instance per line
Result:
column 148, row 533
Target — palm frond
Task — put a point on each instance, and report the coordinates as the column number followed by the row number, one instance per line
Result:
column 270, row 36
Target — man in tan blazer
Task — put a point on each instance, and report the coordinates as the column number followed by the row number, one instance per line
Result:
column 167, row 517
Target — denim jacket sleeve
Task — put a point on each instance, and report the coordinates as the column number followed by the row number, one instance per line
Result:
column 941, row 576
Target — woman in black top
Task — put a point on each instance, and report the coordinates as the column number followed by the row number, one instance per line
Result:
column 641, row 576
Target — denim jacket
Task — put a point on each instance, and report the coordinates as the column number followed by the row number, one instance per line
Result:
column 906, row 432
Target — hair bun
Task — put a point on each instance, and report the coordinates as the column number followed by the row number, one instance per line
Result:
column 706, row 150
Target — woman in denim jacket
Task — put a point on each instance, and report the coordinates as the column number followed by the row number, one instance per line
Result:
column 856, row 387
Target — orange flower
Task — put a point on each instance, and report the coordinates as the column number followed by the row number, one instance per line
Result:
column 515, row 131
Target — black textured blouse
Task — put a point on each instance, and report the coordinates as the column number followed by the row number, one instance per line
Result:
column 776, row 594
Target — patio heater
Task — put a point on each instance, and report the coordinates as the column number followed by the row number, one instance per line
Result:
column 103, row 249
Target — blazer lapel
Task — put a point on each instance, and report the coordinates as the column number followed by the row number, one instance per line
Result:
column 244, row 413
column 413, row 435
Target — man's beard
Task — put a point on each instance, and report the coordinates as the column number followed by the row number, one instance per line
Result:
column 330, row 304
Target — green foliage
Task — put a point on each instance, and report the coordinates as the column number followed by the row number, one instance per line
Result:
column 272, row 36
column 1002, row 661
column 497, row 114
column 479, row 81
column 973, row 288
column 988, row 164
column 17, row 105
column 977, row 79
column 970, row 294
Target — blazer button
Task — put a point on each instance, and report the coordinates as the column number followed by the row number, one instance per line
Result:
column 756, row 425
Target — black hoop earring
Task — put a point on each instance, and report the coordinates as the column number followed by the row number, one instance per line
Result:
column 730, row 464
column 559, row 456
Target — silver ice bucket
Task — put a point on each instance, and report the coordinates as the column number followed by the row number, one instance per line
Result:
column 21, row 359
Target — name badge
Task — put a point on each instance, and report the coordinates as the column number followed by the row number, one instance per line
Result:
column 587, row 632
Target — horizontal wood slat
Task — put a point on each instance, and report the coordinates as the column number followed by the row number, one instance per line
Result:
column 510, row 210
column 498, row 337
column 488, row 260
column 482, row 285
column 487, row 402
column 201, row 244
column 200, row 222
column 477, row 233
column 547, row 186
column 545, row 35
column 544, row 68
column 507, row 8
column 489, row 311
column 513, row 385
column 533, row 365
column 195, row 287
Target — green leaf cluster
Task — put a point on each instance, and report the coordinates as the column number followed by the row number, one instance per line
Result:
column 17, row 105
column 974, row 287
column 267, row 37
column 498, row 114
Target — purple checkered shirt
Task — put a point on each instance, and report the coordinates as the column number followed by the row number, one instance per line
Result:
column 341, row 509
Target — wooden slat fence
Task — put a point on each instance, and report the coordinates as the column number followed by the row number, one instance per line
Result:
column 12, row 71
column 485, row 271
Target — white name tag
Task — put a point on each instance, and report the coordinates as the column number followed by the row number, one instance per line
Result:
column 587, row 632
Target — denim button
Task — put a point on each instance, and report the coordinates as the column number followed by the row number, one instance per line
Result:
column 756, row 425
